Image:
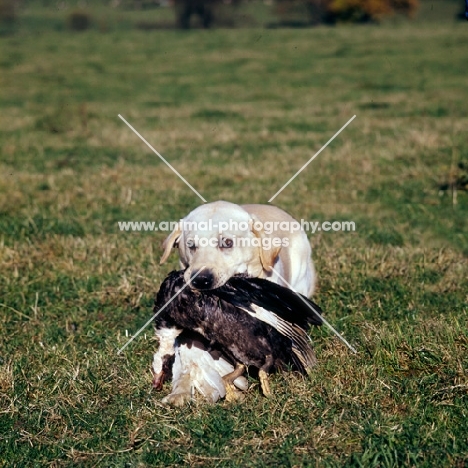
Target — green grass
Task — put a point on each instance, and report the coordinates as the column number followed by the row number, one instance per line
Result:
column 237, row 112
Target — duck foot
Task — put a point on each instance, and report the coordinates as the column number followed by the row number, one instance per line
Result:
column 264, row 384
column 232, row 394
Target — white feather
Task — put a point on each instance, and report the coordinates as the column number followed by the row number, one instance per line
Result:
column 300, row 339
column 195, row 367
column 166, row 338
column 264, row 315
column 199, row 365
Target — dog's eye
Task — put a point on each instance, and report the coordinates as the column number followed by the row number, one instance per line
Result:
column 191, row 245
column 226, row 243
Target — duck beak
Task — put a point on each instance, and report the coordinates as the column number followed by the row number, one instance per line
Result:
column 158, row 380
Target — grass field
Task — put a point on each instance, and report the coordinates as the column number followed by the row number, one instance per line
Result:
column 237, row 112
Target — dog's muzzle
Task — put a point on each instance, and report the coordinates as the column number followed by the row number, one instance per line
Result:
column 202, row 280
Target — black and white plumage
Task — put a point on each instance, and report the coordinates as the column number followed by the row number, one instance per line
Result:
column 252, row 321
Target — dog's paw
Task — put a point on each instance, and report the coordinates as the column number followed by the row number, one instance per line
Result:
column 177, row 399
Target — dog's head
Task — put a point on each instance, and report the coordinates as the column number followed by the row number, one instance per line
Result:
column 217, row 241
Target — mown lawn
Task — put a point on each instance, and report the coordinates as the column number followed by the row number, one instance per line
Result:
column 237, row 112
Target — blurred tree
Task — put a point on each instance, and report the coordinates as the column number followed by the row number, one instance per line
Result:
column 186, row 8
column 332, row 11
column 79, row 20
column 7, row 17
column 7, row 11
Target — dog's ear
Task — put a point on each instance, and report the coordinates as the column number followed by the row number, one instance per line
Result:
column 171, row 241
column 268, row 252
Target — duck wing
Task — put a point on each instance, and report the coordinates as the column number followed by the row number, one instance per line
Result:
column 287, row 304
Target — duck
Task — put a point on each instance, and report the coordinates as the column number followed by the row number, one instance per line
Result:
column 249, row 322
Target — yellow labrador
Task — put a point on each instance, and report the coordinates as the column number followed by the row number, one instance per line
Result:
column 226, row 239
column 217, row 241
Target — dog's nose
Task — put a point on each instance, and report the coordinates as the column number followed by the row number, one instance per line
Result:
column 202, row 280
